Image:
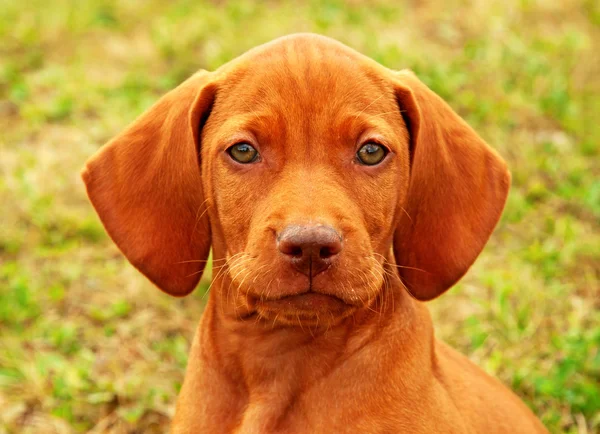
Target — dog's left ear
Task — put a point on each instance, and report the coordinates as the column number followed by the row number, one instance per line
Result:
column 146, row 186
column 458, row 187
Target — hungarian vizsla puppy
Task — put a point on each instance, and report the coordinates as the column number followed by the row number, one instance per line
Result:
column 337, row 195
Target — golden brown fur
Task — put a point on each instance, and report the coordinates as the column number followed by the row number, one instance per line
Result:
column 361, row 356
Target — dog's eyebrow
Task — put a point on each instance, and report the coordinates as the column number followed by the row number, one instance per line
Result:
column 359, row 123
column 249, row 120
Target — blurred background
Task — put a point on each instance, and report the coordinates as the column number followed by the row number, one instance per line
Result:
column 88, row 345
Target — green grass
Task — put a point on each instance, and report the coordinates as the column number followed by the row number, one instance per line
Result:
column 87, row 344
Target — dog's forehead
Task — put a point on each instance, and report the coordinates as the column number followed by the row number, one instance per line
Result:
column 303, row 68
column 303, row 89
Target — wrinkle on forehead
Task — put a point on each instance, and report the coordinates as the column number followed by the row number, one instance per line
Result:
column 321, row 92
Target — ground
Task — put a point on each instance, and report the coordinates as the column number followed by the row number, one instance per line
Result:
column 88, row 345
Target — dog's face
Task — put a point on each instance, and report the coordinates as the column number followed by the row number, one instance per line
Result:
column 318, row 161
column 313, row 172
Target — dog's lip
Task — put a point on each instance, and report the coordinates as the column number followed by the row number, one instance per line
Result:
column 308, row 302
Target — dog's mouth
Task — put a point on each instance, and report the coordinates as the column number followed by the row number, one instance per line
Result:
column 306, row 302
column 287, row 297
column 311, row 308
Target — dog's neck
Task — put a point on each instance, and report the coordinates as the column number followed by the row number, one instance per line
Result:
column 272, row 365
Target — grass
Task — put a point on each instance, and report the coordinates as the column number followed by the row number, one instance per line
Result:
column 87, row 345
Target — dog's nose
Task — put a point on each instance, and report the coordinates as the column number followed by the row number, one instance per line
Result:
column 310, row 249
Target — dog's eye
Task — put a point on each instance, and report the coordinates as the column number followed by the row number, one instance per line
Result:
column 243, row 153
column 371, row 154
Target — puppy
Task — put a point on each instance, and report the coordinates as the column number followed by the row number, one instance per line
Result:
column 337, row 196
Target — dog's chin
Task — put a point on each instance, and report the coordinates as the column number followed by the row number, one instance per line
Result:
column 307, row 309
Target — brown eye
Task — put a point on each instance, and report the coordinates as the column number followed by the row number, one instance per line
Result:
column 371, row 154
column 243, row 153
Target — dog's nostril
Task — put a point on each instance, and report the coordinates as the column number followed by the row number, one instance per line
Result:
column 325, row 252
column 290, row 248
column 295, row 251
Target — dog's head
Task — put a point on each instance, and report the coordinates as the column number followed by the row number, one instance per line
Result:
column 312, row 171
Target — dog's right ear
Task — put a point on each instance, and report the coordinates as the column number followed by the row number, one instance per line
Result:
column 146, row 186
column 458, row 187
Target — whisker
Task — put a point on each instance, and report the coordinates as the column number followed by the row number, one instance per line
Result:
column 369, row 285
column 214, row 279
column 410, row 268
column 265, row 293
column 201, row 215
column 362, row 277
column 330, row 323
column 248, row 273
column 388, row 293
column 299, row 322
column 386, row 113
column 199, row 207
column 407, row 214
column 378, row 271
column 316, row 327
column 376, row 288
column 369, row 105
column 257, row 272
column 385, row 261
column 198, row 261
column 230, row 264
column 274, row 321
column 404, row 286
column 195, row 273
column 238, row 264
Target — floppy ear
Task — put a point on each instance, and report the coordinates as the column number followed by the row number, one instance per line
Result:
column 458, row 187
column 146, row 186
